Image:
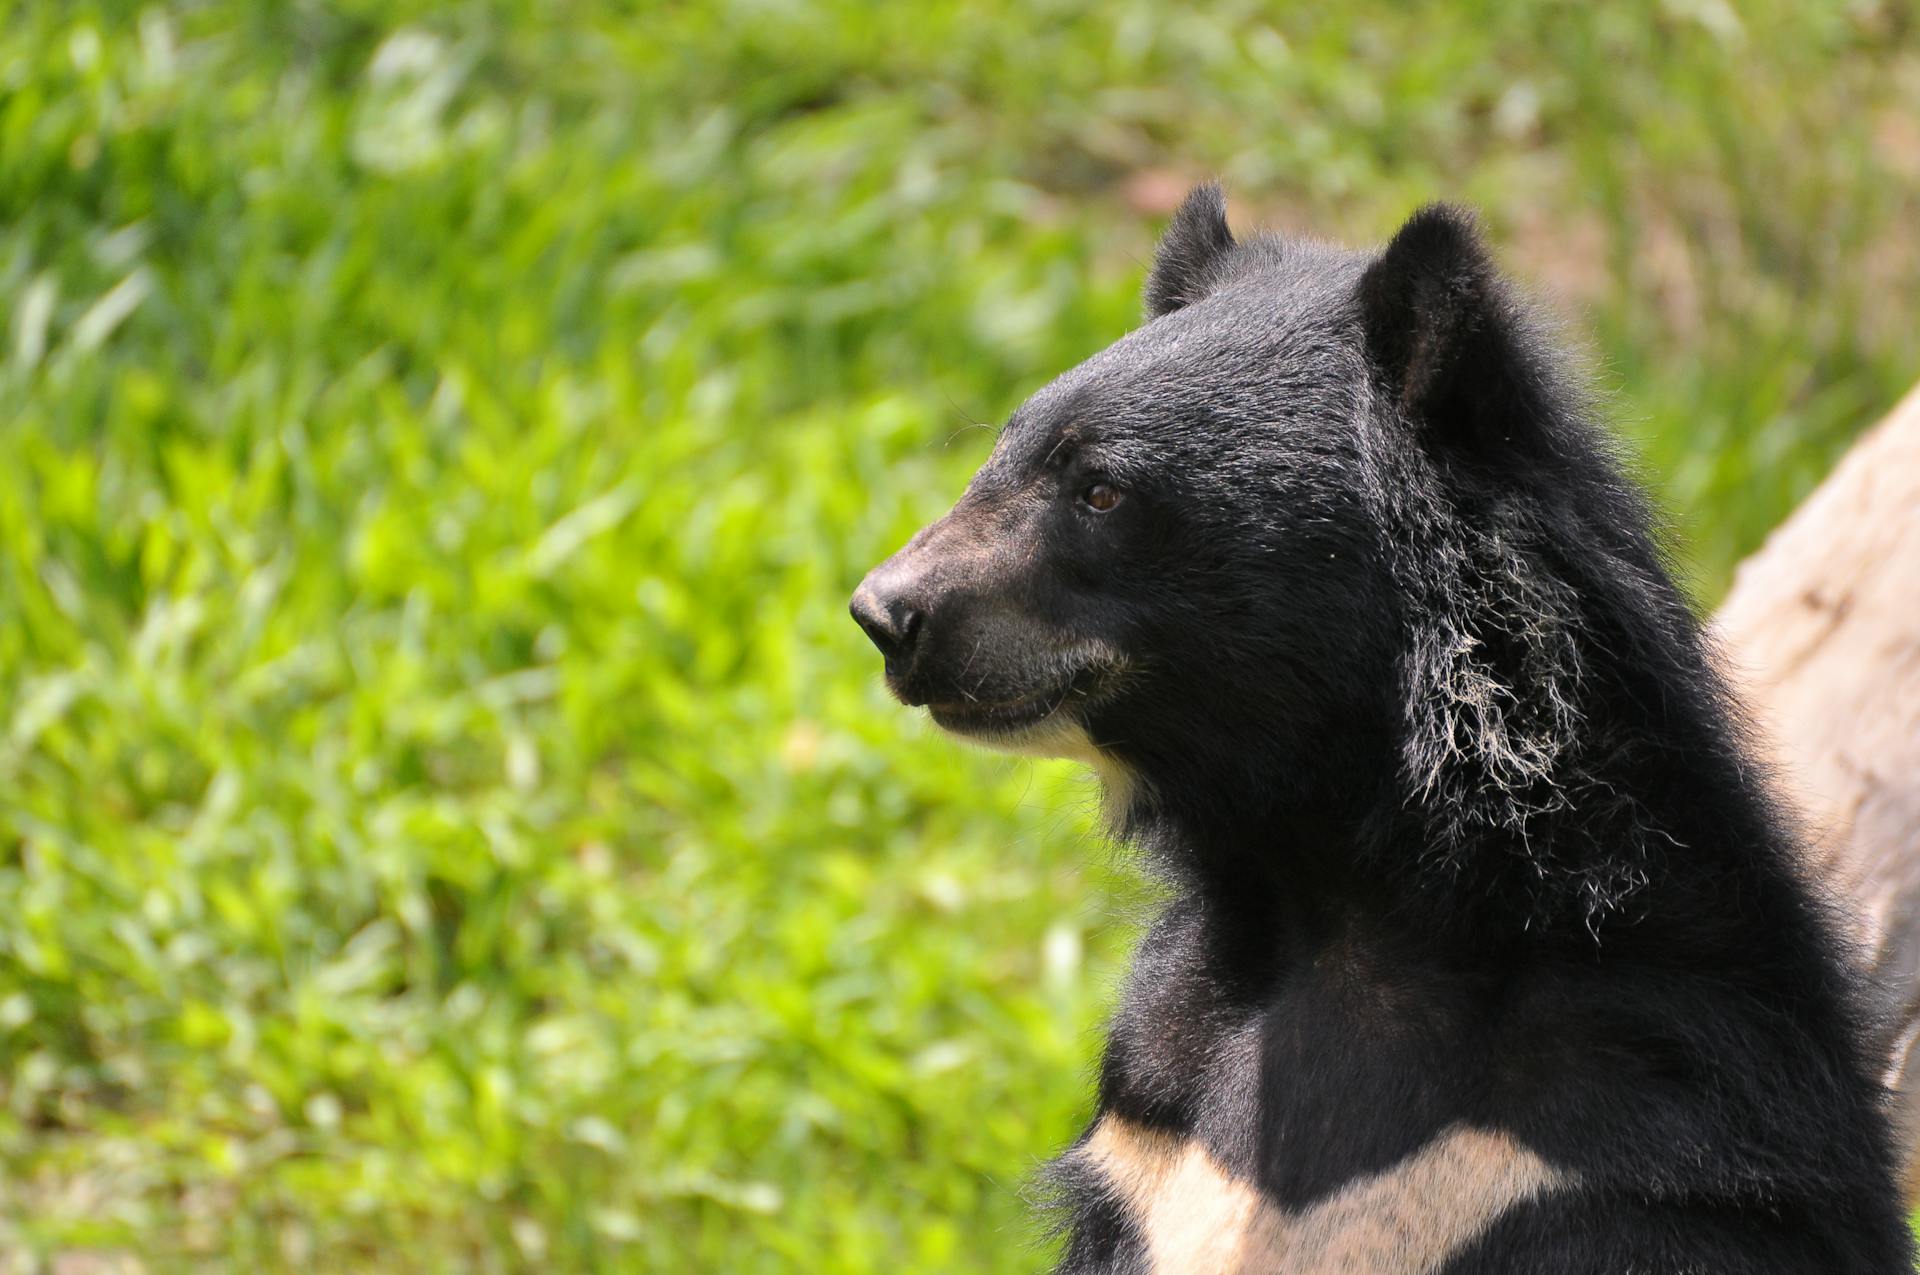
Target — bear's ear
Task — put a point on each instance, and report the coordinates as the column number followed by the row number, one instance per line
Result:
column 1193, row 244
column 1439, row 326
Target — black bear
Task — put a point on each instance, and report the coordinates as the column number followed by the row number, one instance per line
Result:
column 1490, row 950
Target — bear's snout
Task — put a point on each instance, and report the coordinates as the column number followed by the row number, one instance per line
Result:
column 882, row 610
column 907, row 604
column 975, row 628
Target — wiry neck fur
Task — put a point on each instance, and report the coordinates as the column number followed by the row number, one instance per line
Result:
column 1556, row 695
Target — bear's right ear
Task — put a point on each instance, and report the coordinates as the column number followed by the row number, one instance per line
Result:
column 1441, row 330
column 1193, row 244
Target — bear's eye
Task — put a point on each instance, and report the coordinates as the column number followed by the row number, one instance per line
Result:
column 1100, row 497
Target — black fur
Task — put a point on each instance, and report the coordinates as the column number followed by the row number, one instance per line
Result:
column 1460, row 816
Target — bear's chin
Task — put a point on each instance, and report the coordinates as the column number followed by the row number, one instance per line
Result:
column 1056, row 734
column 1060, row 735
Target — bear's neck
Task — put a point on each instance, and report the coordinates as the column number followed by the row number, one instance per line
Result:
column 1643, row 820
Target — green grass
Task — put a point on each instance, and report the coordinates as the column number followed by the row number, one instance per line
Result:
column 447, row 821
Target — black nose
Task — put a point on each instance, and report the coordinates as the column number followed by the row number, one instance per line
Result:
column 888, row 620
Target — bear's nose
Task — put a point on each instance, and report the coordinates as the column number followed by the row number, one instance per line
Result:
column 888, row 618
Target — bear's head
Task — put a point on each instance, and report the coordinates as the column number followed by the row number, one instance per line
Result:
column 1320, row 536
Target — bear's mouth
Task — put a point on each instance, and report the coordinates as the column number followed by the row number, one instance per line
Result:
column 1019, row 713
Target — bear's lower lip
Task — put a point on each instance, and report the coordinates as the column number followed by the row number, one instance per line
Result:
column 971, row 717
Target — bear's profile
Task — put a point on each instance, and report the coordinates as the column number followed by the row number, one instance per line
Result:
column 1489, row 951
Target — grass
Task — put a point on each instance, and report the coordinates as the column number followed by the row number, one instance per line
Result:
column 447, row 821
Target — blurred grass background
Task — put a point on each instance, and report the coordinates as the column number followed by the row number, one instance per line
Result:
column 447, row 821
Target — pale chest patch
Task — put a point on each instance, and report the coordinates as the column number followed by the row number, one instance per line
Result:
column 1405, row 1220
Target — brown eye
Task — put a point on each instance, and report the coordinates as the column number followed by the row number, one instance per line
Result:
column 1101, row 497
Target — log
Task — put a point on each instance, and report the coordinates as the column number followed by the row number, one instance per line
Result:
column 1822, row 633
